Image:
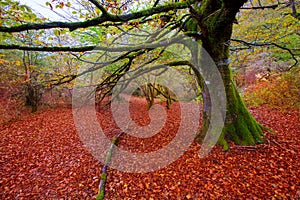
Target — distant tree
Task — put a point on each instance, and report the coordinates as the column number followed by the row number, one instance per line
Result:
column 29, row 73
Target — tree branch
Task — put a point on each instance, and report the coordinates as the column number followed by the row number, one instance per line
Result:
column 98, row 5
column 97, row 66
column 160, row 43
column 105, row 17
column 249, row 44
column 49, row 49
column 260, row 7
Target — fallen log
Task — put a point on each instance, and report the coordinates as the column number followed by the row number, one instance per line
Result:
column 103, row 176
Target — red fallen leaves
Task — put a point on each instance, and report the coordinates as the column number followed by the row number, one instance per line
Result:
column 42, row 157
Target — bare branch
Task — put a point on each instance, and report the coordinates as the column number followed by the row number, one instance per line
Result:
column 98, row 5
column 260, row 7
column 249, row 44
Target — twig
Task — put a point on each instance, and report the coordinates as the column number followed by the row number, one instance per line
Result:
column 250, row 148
column 277, row 144
column 261, row 7
column 249, row 44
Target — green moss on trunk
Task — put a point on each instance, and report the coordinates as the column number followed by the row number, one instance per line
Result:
column 240, row 125
column 215, row 20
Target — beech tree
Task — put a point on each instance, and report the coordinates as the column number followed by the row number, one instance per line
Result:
column 209, row 22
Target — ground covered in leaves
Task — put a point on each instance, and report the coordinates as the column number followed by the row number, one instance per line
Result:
column 42, row 157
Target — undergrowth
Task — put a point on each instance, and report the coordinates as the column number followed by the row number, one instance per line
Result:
column 281, row 92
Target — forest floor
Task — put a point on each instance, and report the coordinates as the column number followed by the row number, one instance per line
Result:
column 42, row 157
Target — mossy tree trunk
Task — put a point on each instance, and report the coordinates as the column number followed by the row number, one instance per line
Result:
column 215, row 19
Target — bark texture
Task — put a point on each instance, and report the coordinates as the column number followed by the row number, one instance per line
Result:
column 215, row 20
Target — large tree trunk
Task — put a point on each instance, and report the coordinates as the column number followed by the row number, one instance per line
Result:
column 240, row 126
column 215, row 21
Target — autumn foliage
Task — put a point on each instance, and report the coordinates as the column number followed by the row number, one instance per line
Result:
column 41, row 153
column 280, row 91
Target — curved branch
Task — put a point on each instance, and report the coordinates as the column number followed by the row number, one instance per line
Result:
column 105, row 17
column 97, row 66
column 269, row 44
column 98, row 5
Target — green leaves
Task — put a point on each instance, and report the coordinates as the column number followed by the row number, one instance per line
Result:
column 58, row 32
column 13, row 13
column 267, row 26
column 58, row 4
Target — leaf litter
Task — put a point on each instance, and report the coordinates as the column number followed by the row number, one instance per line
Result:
column 42, row 157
